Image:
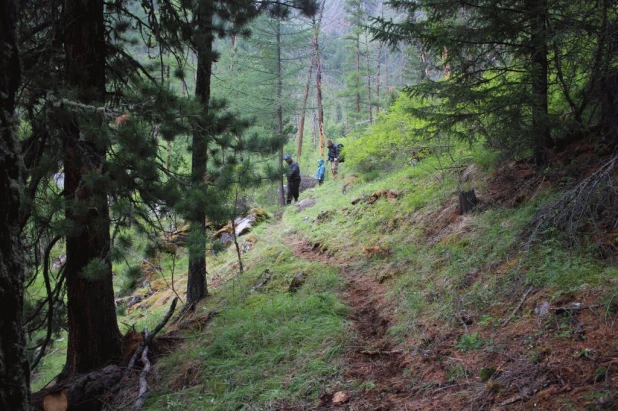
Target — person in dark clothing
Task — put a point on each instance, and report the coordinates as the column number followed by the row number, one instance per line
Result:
column 333, row 157
column 293, row 179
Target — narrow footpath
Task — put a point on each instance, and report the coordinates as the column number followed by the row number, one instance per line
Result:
column 374, row 367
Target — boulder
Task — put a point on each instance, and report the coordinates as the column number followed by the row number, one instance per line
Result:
column 307, row 182
column 297, row 282
column 243, row 225
column 340, row 397
column 305, row 203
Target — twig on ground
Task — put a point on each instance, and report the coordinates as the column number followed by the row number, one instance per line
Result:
column 380, row 352
column 577, row 307
column 143, row 384
column 521, row 302
column 148, row 337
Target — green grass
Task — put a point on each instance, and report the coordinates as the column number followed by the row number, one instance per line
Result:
column 51, row 364
column 266, row 346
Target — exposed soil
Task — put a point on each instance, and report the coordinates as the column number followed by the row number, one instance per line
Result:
column 564, row 359
column 374, row 366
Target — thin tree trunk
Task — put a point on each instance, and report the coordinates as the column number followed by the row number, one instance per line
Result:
column 447, row 64
column 235, row 237
column 318, row 77
column 94, row 337
column 386, row 74
column 280, row 110
column 315, row 132
column 196, row 284
column 425, row 64
column 358, row 97
column 301, row 124
column 14, row 368
column 369, row 99
column 378, row 79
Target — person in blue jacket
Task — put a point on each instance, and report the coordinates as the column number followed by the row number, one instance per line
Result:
column 319, row 175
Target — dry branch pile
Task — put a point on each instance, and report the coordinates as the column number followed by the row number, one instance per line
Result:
column 592, row 205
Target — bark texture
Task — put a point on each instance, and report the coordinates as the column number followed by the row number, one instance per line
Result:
column 196, row 285
column 14, row 369
column 539, row 67
column 80, row 393
column 94, row 337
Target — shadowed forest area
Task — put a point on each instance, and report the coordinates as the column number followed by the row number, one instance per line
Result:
column 454, row 241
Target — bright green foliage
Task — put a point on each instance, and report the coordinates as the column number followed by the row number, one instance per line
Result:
column 517, row 71
column 395, row 132
column 470, row 342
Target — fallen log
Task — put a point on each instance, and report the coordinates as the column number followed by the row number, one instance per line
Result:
column 80, row 393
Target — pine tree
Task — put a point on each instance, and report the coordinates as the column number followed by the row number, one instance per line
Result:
column 83, row 152
column 14, row 369
column 505, row 61
column 94, row 337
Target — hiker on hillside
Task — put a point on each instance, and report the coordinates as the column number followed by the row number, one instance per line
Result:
column 293, row 179
column 333, row 157
column 319, row 175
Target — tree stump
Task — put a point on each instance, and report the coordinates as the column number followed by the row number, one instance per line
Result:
column 467, row 201
column 79, row 393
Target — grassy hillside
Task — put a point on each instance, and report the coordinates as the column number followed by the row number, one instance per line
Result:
column 473, row 312
column 404, row 302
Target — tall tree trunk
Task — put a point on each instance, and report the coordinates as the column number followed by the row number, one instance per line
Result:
column 358, row 96
column 318, row 77
column 426, row 69
column 447, row 64
column 386, row 65
column 196, row 284
column 94, row 338
column 14, row 369
column 539, row 72
column 378, row 79
column 301, row 124
column 280, row 110
column 315, row 132
column 369, row 99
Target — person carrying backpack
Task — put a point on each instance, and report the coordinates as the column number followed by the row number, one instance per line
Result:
column 333, row 157
column 319, row 175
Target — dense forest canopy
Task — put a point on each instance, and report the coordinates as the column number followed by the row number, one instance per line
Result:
column 124, row 123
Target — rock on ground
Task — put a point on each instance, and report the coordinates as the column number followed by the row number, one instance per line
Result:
column 305, row 203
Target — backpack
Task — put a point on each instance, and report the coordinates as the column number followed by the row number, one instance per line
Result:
column 341, row 156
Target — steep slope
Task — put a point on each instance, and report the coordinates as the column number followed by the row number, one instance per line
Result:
column 403, row 303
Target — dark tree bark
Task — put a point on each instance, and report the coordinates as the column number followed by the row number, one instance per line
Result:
column 541, row 129
column 80, row 393
column 196, row 285
column 609, row 107
column 14, row 369
column 94, row 338
column 467, row 201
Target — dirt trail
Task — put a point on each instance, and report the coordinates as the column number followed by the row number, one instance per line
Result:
column 372, row 362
